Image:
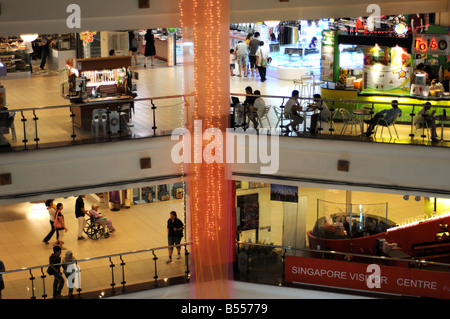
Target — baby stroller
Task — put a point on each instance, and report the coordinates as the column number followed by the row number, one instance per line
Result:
column 96, row 229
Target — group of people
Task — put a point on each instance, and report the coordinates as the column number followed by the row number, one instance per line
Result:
column 70, row 269
column 58, row 225
column 424, row 119
column 292, row 110
column 149, row 51
column 252, row 57
column 251, row 110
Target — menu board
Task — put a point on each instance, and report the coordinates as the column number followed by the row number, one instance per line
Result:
column 329, row 57
column 387, row 70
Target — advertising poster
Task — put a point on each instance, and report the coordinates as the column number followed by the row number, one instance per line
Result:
column 249, row 208
column 387, row 70
column 284, row 193
column 368, row 277
column 329, row 57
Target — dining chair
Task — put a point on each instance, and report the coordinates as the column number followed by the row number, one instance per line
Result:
column 383, row 123
column 349, row 120
column 281, row 122
column 265, row 116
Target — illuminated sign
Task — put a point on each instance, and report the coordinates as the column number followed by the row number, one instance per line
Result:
column 432, row 44
column 400, row 29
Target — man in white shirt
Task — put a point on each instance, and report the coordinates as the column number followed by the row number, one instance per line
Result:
column 257, row 109
column 291, row 109
column 242, row 57
column 262, row 56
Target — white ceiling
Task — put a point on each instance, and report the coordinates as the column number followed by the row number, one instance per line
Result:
column 49, row 16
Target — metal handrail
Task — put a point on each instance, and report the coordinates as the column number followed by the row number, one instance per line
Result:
column 112, row 101
column 332, row 252
column 97, row 258
column 231, row 94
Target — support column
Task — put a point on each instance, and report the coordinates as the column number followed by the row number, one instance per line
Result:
column 207, row 86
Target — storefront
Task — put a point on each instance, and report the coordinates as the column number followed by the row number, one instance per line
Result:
column 355, row 226
column 409, row 68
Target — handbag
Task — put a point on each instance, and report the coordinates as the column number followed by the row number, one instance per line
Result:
column 57, row 223
column 50, row 271
column 134, row 43
column 263, row 60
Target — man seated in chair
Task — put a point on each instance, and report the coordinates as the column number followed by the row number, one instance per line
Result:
column 388, row 115
column 291, row 110
column 99, row 218
column 257, row 109
column 320, row 108
column 425, row 119
column 248, row 103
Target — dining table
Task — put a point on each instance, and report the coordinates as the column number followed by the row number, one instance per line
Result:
column 442, row 118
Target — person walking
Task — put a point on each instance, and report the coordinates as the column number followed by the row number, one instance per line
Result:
column 262, row 57
column 46, row 44
column 253, row 46
column 55, row 270
column 51, row 211
column 80, row 213
column 150, row 50
column 174, row 234
column 242, row 57
column 133, row 45
column 60, row 225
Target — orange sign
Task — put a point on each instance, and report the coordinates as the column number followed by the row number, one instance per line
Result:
column 432, row 44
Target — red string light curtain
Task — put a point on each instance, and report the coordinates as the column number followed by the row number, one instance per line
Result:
column 206, row 80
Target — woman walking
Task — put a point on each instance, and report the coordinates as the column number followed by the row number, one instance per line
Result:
column 60, row 225
column 51, row 211
column 150, row 50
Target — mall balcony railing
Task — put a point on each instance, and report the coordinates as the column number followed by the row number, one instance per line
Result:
column 102, row 276
column 266, row 264
column 62, row 125
column 51, row 126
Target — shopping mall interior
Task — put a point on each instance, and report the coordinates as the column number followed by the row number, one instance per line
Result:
column 287, row 212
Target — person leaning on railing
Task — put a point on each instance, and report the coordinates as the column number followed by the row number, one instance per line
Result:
column 388, row 115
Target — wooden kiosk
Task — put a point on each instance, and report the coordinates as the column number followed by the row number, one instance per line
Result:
column 99, row 83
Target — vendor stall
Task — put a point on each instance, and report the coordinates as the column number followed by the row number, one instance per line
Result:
column 99, row 83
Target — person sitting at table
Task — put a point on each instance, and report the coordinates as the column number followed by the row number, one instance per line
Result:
column 257, row 109
column 291, row 110
column 248, row 102
column 388, row 115
column 319, row 108
column 425, row 119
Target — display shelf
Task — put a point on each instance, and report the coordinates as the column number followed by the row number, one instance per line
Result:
column 15, row 61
